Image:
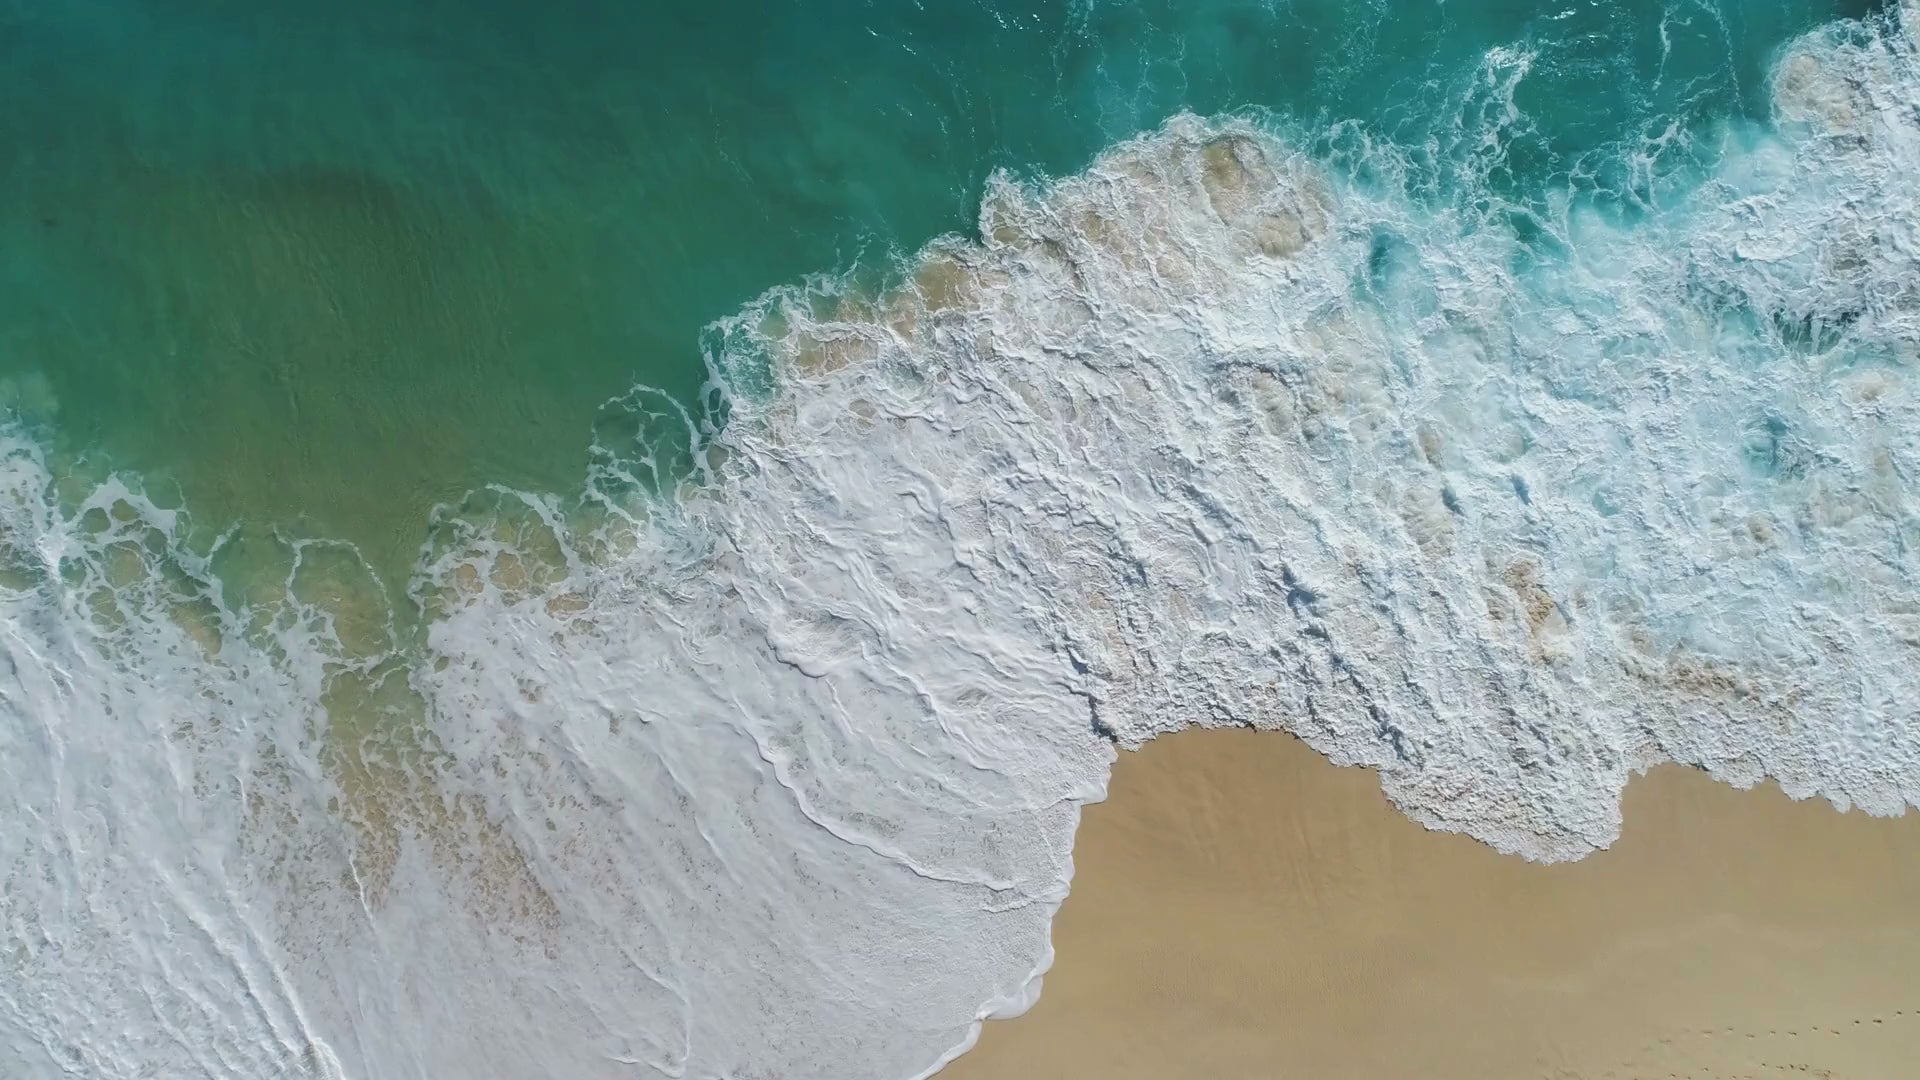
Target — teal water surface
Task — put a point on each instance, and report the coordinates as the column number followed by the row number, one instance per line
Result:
column 324, row 266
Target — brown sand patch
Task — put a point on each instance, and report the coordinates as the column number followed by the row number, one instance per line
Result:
column 1244, row 908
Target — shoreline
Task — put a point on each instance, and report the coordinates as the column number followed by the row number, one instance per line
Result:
column 1292, row 921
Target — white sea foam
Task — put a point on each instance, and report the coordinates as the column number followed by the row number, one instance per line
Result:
column 779, row 777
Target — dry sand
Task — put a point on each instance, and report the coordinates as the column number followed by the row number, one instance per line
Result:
column 1244, row 908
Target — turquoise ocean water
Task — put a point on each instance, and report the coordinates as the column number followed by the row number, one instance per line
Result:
column 327, row 266
column 604, row 539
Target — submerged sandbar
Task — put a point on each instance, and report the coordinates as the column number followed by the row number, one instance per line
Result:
column 1242, row 907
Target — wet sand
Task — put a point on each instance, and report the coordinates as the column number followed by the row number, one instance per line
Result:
column 1244, row 908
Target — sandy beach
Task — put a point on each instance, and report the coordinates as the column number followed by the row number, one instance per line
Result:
column 1244, row 908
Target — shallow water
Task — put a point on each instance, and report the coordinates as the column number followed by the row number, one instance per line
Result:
column 1503, row 400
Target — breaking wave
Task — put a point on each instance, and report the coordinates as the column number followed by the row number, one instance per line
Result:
column 777, row 774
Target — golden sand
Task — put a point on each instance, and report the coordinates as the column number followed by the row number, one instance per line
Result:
column 1244, row 908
